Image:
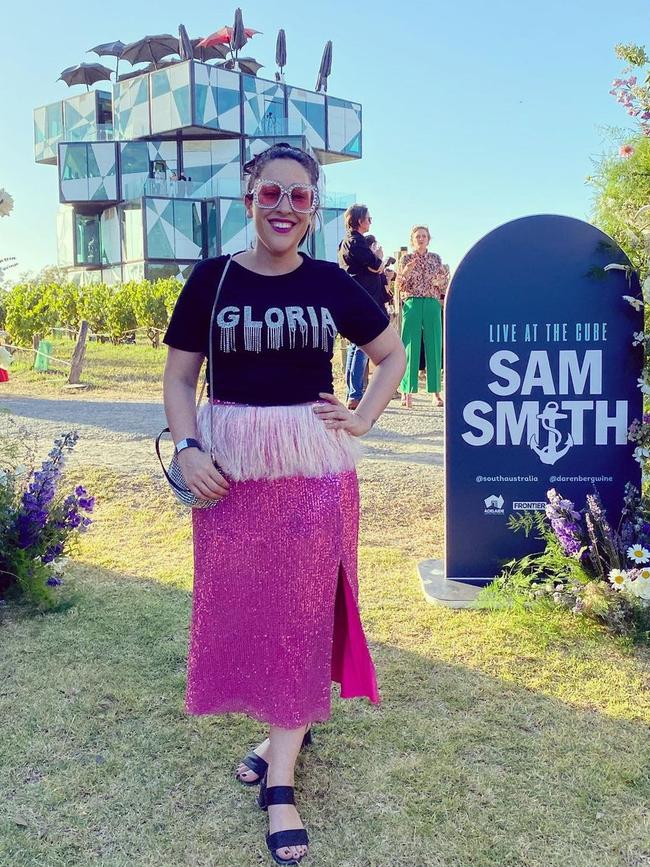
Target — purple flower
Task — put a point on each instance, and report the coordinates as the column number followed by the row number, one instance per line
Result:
column 563, row 518
column 53, row 581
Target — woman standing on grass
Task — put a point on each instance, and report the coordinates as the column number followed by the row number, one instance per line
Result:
column 421, row 283
column 275, row 616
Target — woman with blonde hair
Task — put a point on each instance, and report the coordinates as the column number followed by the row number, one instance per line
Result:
column 421, row 283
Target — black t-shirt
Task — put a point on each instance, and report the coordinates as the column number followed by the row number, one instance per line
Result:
column 273, row 337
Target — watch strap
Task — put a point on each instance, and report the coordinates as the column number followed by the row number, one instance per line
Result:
column 187, row 443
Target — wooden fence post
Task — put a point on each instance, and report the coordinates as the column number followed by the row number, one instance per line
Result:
column 79, row 354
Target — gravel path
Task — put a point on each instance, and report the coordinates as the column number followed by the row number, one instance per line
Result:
column 119, row 435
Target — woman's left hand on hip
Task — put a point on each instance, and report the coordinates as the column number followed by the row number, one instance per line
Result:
column 336, row 416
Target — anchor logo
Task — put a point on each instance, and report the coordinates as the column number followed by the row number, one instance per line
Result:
column 549, row 454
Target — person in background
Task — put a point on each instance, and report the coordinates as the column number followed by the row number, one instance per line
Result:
column 421, row 283
column 363, row 264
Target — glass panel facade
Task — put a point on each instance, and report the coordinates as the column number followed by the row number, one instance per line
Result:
column 88, row 172
column 131, row 108
column 80, row 117
column 87, row 244
column 132, row 232
column 110, row 237
column 264, row 101
column 65, row 235
column 217, row 98
column 48, row 131
column 306, row 115
column 170, row 98
column 214, row 167
column 174, row 229
column 344, row 126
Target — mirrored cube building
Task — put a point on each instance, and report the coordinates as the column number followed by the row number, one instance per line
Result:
column 123, row 214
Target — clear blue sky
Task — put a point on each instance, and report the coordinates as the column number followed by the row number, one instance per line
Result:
column 474, row 112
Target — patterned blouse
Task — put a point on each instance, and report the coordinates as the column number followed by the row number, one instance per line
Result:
column 422, row 276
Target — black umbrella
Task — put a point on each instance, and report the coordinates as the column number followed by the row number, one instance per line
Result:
column 85, row 73
column 249, row 64
column 281, row 51
column 185, row 47
column 325, row 67
column 109, row 49
column 238, row 38
column 150, row 49
column 213, row 52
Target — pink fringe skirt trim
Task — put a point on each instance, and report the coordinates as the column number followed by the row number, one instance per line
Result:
column 274, row 442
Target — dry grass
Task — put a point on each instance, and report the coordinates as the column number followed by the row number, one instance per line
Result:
column 504, row 738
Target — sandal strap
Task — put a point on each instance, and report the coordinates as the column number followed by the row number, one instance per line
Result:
column 279, row 795
column 255, row 763
column 291, row 837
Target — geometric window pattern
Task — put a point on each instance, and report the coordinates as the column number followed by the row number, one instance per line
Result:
column 136, row 161
column 158, row 270
column 131, row 108
column 329, row 234
column 48, row 132
column 214, row 166
column 343, row 126
column 112, row 275
column 236, row 232
column 174, row 229
column 132, row 232
column 263, row 107
column 170, row 98
column 255, row 146
column 87, row 172
column 65, row 236
column 110, row 237
column 217, row 99
column 306, row 115
column 80, row 117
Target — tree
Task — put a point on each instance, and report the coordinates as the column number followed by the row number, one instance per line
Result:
column 27, row 313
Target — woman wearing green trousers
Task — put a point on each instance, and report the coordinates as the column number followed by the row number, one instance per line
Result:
column 421, row 283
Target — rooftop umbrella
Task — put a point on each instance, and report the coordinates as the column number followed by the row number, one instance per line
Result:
column 185, row 47
column 281, row 51
column 325, row 67
column 85, row 73
column 109, row 49
column 248, row 64
column 238, row 38
column 204, row 54
column 225, row 37
column 150, row 49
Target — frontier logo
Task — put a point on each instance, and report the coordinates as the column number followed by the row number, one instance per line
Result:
column 494, row 505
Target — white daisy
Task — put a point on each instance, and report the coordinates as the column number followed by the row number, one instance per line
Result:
column 644, row 575
column 643, row 385
column 618, row 578
column 638, row 554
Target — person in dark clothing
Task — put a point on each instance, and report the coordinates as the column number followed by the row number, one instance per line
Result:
column 363, row 264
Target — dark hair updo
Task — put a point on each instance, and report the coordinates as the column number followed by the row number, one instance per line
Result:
column 280, row 151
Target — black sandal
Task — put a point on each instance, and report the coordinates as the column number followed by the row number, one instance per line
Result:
column 259, row 766
column 268, row 797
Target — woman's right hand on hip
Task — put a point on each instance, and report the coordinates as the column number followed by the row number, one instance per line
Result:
column 201, row 475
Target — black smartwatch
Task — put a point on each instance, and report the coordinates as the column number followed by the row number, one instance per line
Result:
column 188, row 443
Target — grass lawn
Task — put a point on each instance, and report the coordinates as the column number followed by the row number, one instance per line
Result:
column 504, row 738
column 128, row 371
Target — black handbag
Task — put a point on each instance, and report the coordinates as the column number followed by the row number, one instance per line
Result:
column 173, row 472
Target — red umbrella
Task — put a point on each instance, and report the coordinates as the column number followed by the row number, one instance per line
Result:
column 223, row 37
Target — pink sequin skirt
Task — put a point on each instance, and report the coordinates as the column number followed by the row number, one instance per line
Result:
column 275, row 617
